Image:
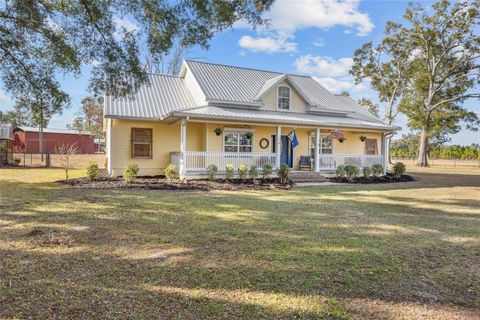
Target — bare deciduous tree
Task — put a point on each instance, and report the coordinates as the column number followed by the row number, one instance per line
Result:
column 65, row 154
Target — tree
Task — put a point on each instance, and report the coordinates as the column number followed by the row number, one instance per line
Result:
column 65, row 157
column 445, row 65
column 90, row 118
column 15, row 118
column 62, row 36
column 370, row 106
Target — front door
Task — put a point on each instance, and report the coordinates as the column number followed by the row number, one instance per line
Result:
column 286, row 155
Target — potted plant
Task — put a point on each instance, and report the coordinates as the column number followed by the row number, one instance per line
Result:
column 341, row 139
column 218, row 131
column 363, row 138
column 339, row 135
column 249, row 135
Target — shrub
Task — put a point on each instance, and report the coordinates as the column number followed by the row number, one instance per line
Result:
column 377, row 170
column 340, row 172
column 266, row 170
column 92, row 171
column 367, row 172
column 212, row 172
column 130, row 172
column 351, row 171
column 253, row 173
column 283, row 173
column 171, row 172
column 16, row 161
column 398, row 169
column 229, row 172
column 242, row 171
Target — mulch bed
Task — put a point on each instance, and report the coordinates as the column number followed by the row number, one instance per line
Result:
column 389, row 178
column 160, row 183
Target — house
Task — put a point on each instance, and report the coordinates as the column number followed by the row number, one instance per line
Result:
column 27, row 140
column 220, row 114
column 6, row 143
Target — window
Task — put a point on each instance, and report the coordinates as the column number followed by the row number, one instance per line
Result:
column 141, row 143
column 371, row 147
column 283, row 97
column 235, row 141
column 326, row 145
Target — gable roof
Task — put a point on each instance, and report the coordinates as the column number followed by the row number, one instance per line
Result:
column 164, row 94
column 226, row 86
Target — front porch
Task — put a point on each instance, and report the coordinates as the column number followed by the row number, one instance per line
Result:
column 325, row 154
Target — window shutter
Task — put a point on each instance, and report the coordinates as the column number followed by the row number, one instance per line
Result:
column 141, row 143
column 371, row 147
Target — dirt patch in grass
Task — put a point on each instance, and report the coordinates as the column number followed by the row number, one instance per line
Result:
column 374, row 180
column 160, row 183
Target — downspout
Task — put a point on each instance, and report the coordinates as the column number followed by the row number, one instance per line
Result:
column 386, row 149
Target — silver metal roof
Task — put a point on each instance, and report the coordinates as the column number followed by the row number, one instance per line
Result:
column 228, row 86
column 6, row 132
column 51, row 130
column 164, row 94
column 262, row 116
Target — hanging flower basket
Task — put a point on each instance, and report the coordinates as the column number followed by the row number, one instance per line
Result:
column 218, row 131
column 339, row 135
column 249, row 135
column 363, row 138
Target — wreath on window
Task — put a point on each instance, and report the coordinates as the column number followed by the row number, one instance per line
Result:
column 264, row 143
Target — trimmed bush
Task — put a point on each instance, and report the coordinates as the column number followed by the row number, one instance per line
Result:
column 266, row 170
column 253, row 173
column 212, row 172
column 377, row 170
column 284, row 173
column 242, row 171
column 398, row 169
column 367, row 172
column 229, row 172
column 340, row 172
column 171, row 172
column 351, row 171
column 130, row 172
column 92, row 171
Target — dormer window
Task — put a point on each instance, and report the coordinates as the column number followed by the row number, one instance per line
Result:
column 283, row 97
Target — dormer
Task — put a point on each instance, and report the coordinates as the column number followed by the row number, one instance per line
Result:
column 281, row 94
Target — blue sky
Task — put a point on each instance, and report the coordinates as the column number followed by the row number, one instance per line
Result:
column 316, row 38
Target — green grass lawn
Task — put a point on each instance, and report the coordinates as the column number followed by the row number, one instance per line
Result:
column 397, row 251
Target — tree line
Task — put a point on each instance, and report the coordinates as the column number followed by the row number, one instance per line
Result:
column 407, row 147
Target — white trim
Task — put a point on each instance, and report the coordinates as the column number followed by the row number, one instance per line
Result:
column 109, row 146
column 233, row 130
column 317, row 151
column 238, row 129
column 278, row 142
column 183, row 148
column 289, row 97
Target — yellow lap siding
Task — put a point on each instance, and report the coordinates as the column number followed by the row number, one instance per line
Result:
column 166, row 139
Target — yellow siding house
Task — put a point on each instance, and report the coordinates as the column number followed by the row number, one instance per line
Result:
column 218, row 114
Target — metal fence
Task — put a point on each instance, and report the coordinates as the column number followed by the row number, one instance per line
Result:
column 51, row 160
column 442, row 162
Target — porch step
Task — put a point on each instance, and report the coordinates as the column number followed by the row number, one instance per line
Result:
column 306, row 176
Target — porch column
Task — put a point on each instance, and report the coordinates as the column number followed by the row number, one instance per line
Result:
column 384, row 151
column 183, row 149
column 317, row 154
column 278, row 147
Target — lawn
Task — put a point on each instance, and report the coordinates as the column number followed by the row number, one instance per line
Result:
column 397, row 251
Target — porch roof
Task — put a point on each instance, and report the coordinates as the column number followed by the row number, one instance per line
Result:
column 276, row 117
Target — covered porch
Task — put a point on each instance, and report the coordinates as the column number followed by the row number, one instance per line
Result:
column 249, row 144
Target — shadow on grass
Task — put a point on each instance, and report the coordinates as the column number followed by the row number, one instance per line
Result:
column 291, row 254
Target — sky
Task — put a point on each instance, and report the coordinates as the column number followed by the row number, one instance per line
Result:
column 316, row 38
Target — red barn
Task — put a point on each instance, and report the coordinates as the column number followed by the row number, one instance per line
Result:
column 27, row 140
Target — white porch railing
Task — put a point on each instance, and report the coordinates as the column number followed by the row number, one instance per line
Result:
column 332, row 161
column 198, row 161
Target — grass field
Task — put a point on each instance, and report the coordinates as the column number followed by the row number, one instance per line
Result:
column 398, row 251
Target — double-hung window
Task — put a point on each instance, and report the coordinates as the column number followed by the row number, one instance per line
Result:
column 141, row 143
column 237, row 141
column 283, row 97
column 325, row 147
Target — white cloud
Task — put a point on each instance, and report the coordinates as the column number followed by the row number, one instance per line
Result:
column 335, row 85
column 319, row 42
column 289, row 16
column 323, row 66
column 4, row 98
column 267, row 44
